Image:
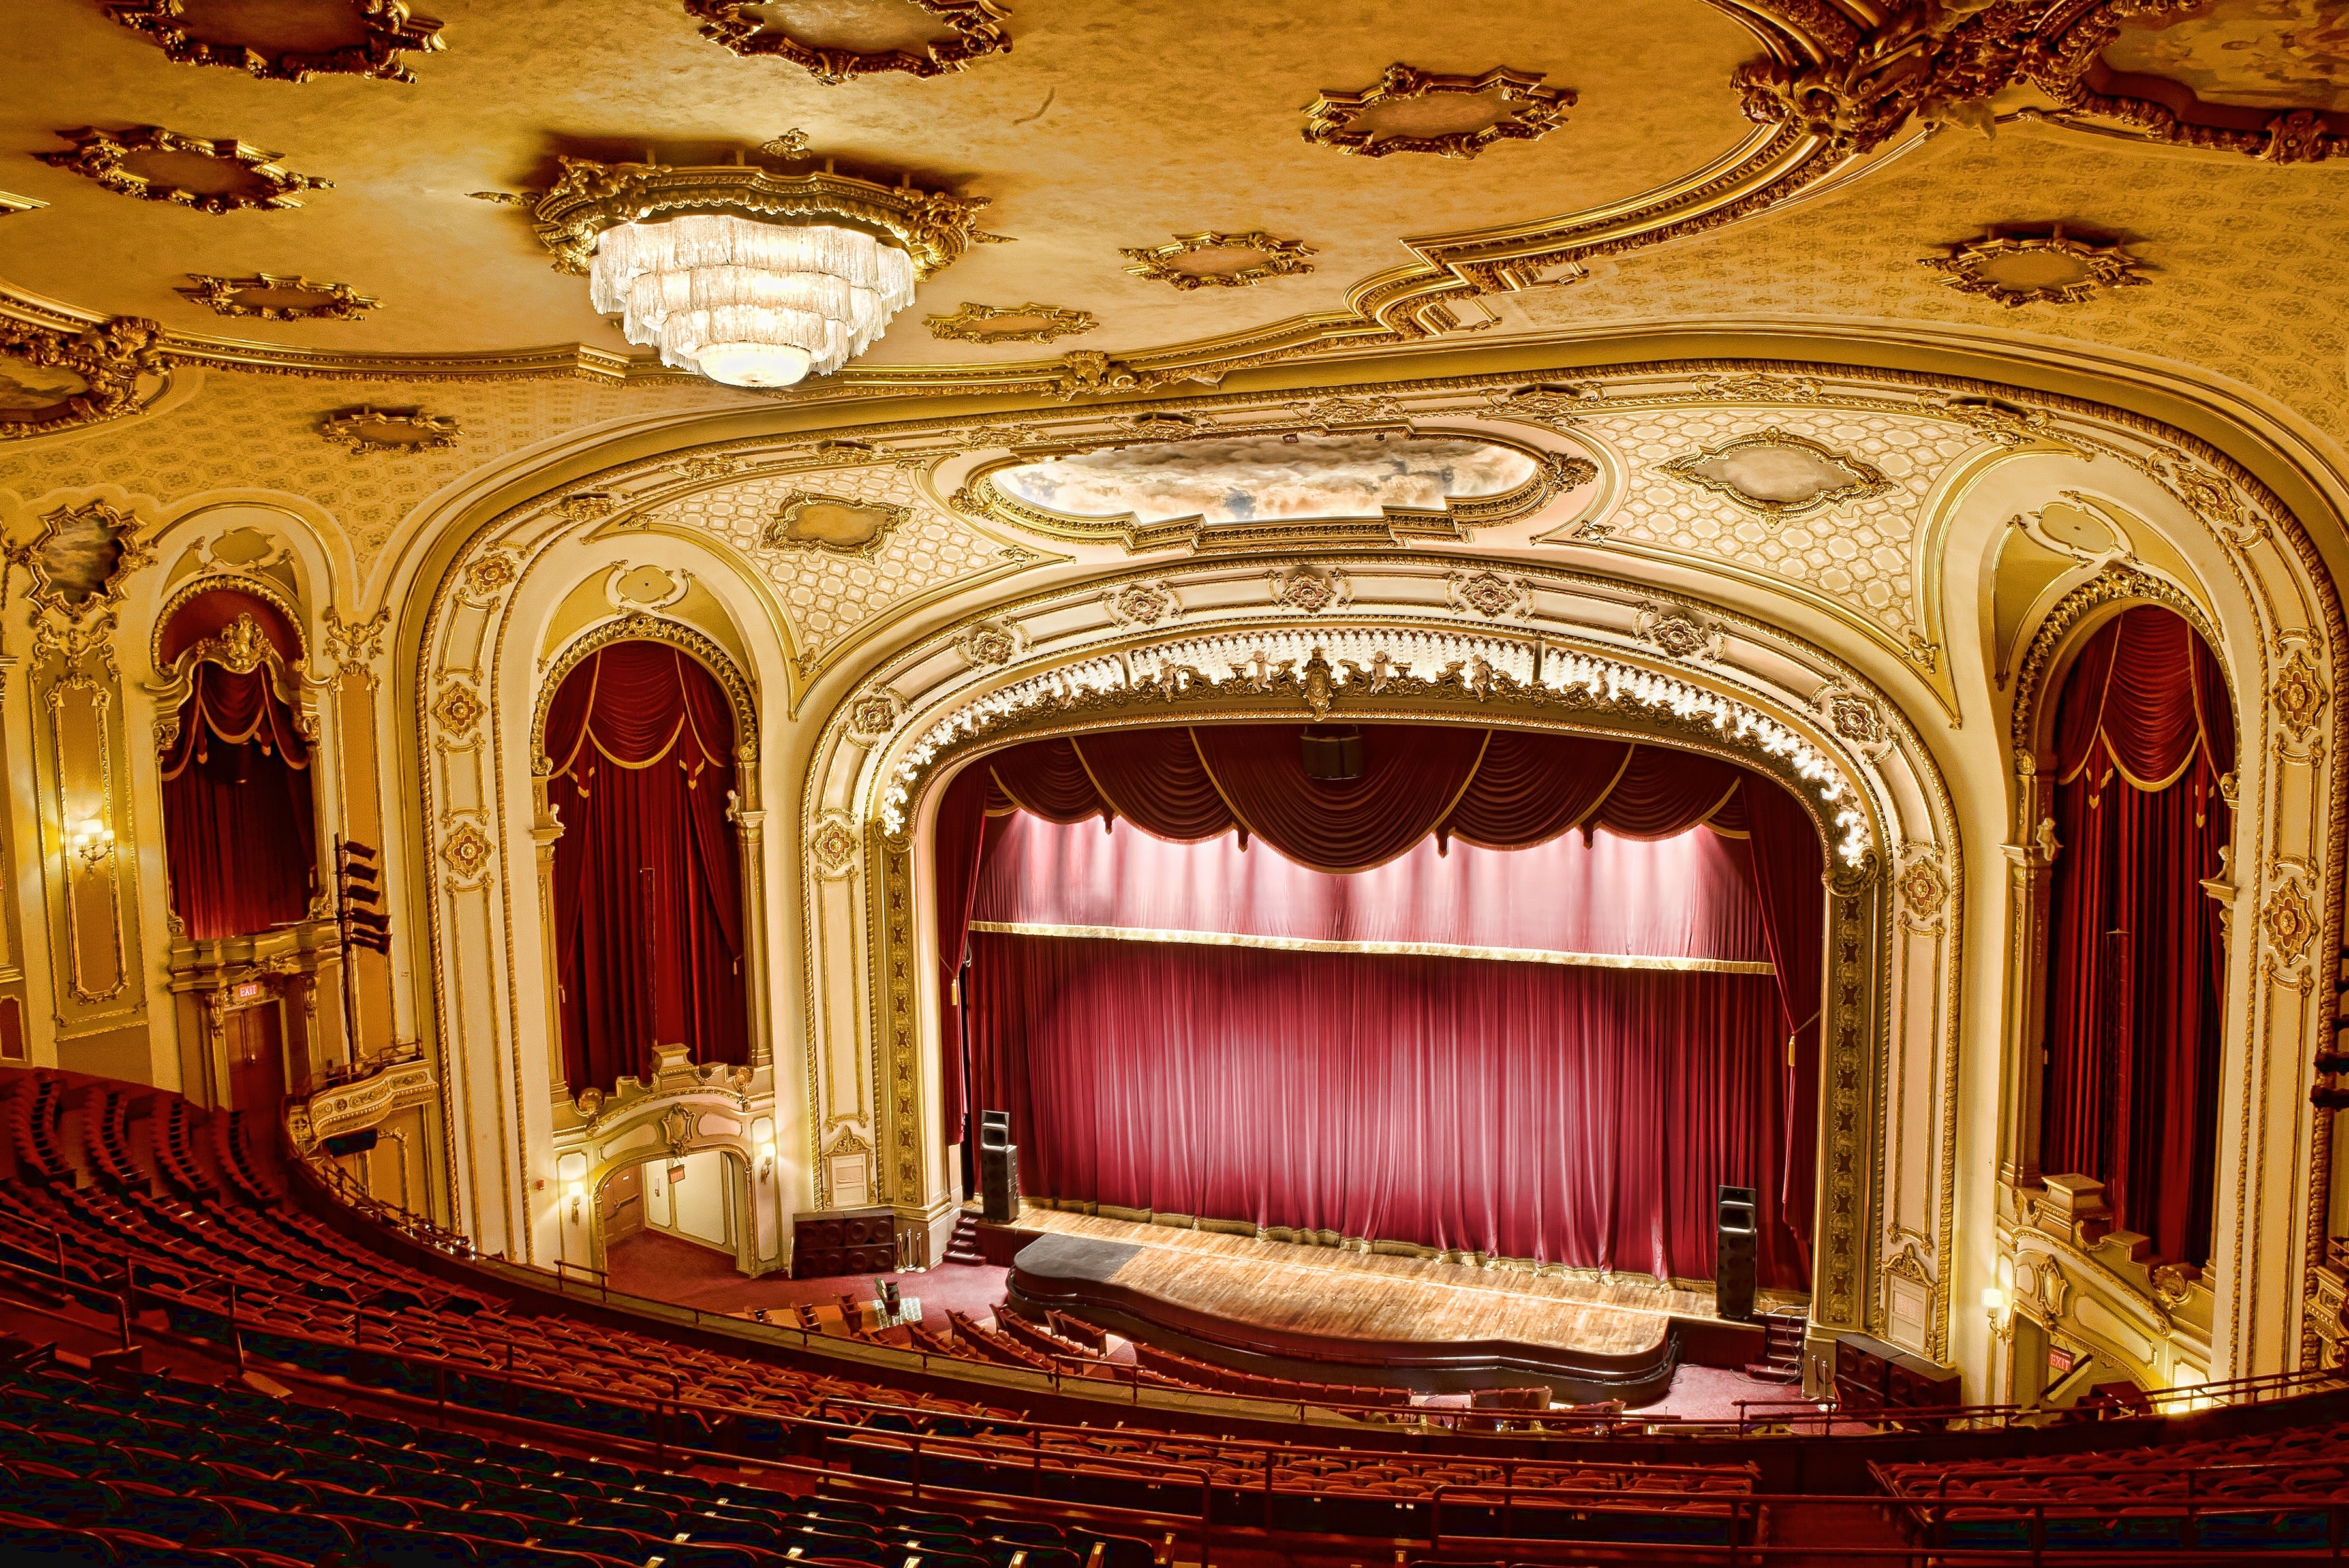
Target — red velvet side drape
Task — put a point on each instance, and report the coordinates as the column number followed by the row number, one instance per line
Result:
column 237, row 821
column 1572, row 1114
column 647, row 873
column 2144, row 731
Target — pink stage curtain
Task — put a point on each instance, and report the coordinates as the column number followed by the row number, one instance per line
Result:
column 237, row 821
column 647, row 873
column 2144, row 731
column 1567, row 1114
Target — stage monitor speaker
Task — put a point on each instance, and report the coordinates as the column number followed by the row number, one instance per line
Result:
column 1733, row 1254
column 994, row 1129
column 1332, row 752
column 999, row 1182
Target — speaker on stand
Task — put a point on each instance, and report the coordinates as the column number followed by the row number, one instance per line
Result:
column 999, row 1168
column 1733, row 1254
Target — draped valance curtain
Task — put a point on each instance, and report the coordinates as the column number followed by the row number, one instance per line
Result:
column 237, row 820
column 647, row 873
column 1568, row 1111
column 2144, row 733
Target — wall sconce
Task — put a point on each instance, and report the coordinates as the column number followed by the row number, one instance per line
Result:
column 93, row 841
column 572, row 1171
column 1995, row 1303
column 578, row 1196
column 762, row 1138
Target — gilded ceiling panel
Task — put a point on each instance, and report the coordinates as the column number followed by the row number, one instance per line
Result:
column 828, row 595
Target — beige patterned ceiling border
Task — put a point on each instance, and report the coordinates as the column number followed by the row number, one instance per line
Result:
column 1530, row 111
column 977, row 26
column 388, row 29
column 103, row 156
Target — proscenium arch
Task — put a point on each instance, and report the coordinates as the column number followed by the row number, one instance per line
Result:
column 1872, row 744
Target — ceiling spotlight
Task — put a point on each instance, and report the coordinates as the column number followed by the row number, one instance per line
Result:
column 750, row 277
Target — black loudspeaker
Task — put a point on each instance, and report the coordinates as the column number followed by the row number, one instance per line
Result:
column 350, row 1143
column 1733, row 1255
column 999, row 1168
column 1332, row 752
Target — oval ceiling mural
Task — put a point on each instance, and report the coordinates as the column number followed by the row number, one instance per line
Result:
column 1246, row 479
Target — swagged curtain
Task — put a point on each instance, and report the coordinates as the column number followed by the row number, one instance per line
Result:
column 2143, row 733
column 647, row 876
column 1571, row 1113
column 238, row 827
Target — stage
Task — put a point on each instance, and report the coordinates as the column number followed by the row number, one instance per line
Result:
column 1322, row 1314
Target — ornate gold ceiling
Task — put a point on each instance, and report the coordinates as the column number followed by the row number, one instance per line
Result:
column 1521, row 177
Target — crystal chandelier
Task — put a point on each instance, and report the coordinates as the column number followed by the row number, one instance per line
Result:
column 750, row 304
column 746, row 274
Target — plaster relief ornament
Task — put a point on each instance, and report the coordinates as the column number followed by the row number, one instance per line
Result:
column 872, row 716
column 833, row 845
column 491, row 573
column 1854, row 718
column 79, row 558
column 158, row 165
column 989, row 645
column 365, row 430
column 1779, row 476
column 839, row 525
column 1677, row 633
column 53, row 381
column 2290, row 922
column 2018, row 270
column 282, row 43
column 1010, row 323
column 1489, row 594
column 1310, row 590
column 1924, row 888
column 1211, row 259
column 268, row 298
column 459, row 710
column 466, row 851
column 846, row 38
column 2299, row 696
column 1411, row 111
column 1142, row 604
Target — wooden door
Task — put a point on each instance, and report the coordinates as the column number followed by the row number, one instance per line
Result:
column 620, row 1205
column 256, row 1060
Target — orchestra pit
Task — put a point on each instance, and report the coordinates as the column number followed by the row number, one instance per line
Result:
column 1061, row 784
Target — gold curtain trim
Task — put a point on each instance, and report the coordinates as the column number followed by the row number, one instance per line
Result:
column 1404, row 949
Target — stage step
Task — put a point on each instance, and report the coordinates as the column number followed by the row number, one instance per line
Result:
column 1781, row 1350
column 962, row 1247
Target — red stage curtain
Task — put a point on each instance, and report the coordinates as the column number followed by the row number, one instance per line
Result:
column 647, row 873
column 237, row 820
column 966, row 836
column 1411, row 777
column 2143, row 732
column 1567, row 1114
column 1789, row 884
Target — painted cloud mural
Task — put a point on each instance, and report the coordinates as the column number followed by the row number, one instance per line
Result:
column 1245, row 478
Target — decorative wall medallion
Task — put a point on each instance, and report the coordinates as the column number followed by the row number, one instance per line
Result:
column 491, row 573
column 272, row 298
column 2299, row 695
column 1010, row 323
column 1678, row 633
column 1142, row 604
column 1410, row 110
column 344, row 37
column 365, row 430
column 863, row 36
column 1310, row 590
column 988, row 644
column 842, row 526
column 466, row 851
column 1923, row 887
column 587, row 506
column 459, row 710
column 158, row 165
column 1212, row 259
column 1562, row 472
column 1760, row 387
column 710, row 467
column 1778, row 476
column 872, row 716
column 2290, row 922
column 2048, row 269
column 1489, row 594
column 52, row 380
column 79, row 558
column 1855, row 719
column 832, row 843
column 353, row 645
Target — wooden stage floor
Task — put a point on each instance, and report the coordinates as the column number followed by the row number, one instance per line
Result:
column 1291, row 1288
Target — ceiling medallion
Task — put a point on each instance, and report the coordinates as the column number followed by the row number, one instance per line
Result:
column 1278, row 258
column 1010, row 323
column 957, row 32
column 158, row 165
column 341, row 39
column 274, row 298
column 840, row 524
column 1778, row 476
column 365, row 430
column 1410, row 110
column 52, row 380
column 784, row 276
column 79, row 560
column 2048, row 269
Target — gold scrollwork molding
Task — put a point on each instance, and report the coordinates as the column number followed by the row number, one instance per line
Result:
column 1490, row 594
column 81, row 559
column 1521, row 110
column 267, row 297
column 96, row 373
column 974, row 30
column 367, row 429
column 1141, row 604
column 1010, row 323
column 1273, row 258
column 832, row 843
column 1678, row 632
column 2035, row 269
column 113, row 159
column 358, row 1104
column 1309, row 590
column 377, row 32
column 1779, row 476
column 354, row 645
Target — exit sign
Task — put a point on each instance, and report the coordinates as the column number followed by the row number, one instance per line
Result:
column 249, row 992
column 2061, row 1360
